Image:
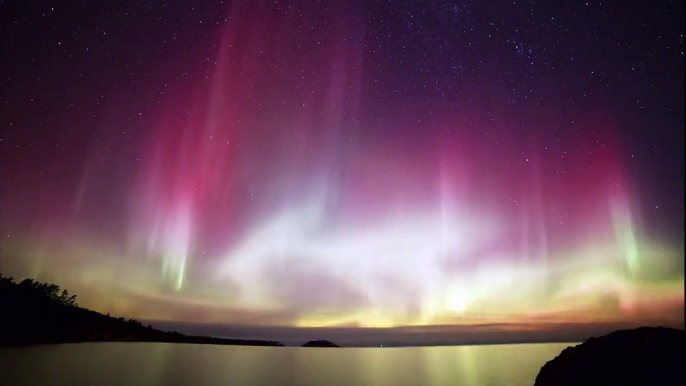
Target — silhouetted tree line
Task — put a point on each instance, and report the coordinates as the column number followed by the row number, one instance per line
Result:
column 32, row 312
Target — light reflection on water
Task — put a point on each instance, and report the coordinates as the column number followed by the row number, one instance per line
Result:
column 178, row 364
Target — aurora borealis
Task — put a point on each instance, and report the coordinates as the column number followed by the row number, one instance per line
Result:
column 405, row 164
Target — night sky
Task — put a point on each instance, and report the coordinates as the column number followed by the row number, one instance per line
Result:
column 251, row 168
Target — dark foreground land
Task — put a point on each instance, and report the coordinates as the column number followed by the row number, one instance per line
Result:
column 641, row 357
column 32, row 312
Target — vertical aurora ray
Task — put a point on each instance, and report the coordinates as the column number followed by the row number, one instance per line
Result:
column 625, row 234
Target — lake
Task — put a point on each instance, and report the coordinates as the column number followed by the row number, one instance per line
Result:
column 86, row 364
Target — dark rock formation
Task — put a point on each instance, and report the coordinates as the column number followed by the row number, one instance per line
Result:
column 644, row 356
column 320, row 343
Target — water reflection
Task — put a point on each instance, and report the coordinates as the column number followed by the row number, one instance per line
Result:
column 178, row 364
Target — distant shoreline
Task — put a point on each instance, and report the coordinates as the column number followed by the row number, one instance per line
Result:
column 285, row 345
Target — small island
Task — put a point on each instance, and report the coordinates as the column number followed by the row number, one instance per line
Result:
column 640, row 357
column 39, row 313
column 320, row 343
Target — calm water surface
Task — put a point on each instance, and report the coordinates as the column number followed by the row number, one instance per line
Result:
column 177, row 364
